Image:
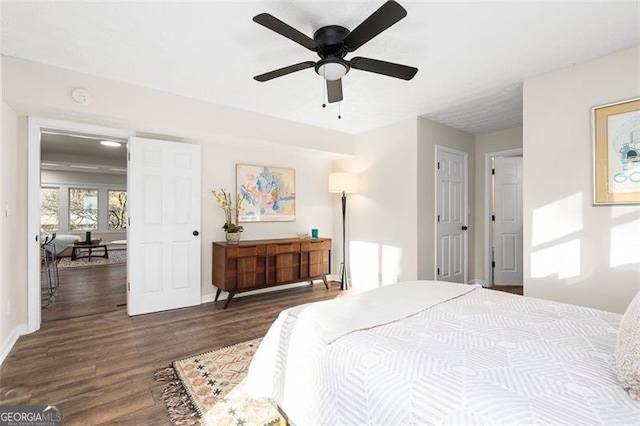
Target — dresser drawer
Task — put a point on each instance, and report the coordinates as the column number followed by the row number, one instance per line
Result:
column 240, row 251
column 316, row 245
column 282, row 248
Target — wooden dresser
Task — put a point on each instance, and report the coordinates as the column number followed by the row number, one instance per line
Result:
column 250, row 265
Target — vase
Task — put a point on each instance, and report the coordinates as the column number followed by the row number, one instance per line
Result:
column 233, row 237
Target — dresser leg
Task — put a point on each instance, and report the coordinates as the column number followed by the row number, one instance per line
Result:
column 231, row 294
column 324, row 280
column 218, row 291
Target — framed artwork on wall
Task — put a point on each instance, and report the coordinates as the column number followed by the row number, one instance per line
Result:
column 268, row 193
column 616, row 159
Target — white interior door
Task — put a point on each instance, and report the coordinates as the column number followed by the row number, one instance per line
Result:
column 163, row 253
column 507, row 250
column 451, row 212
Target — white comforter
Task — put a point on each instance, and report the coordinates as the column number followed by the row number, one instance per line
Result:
column 484, row 357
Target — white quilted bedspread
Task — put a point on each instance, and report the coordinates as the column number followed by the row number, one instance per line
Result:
column 483, row 358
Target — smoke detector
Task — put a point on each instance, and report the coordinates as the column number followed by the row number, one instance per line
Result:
column 81, row 96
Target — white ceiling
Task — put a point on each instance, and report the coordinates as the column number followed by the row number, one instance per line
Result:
column 70, row 153
column 472, row 56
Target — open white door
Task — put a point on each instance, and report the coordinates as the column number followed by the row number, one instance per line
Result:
column 163, row 253
column 451, row 215
column 507, row 242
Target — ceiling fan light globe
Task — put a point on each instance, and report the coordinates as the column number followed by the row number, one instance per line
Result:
column 332, row 70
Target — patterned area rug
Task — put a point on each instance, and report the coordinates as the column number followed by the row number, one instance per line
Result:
column 115, row 256
column 207, row 389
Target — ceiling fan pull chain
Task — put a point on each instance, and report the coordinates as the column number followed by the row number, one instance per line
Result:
column 339, row 110
column 324, row 92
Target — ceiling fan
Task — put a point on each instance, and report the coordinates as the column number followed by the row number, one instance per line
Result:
column 333, row 42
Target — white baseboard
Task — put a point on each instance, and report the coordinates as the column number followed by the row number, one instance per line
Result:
column 7, row 345
column 478, row 281
column 223, row 296
column 206, row 298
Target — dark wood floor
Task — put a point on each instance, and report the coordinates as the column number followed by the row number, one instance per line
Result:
column 100, row 367
column 85, row 291
column 515, row 289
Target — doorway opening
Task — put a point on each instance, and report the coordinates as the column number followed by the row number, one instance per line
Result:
column 163, row 248
column 77, row 191
column 83, row 224
column 503, row 218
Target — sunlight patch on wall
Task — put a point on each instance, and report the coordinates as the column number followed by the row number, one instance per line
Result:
column 391, row 270
column 625, row 244
column 364, row 265
column 561, row 259
column 619, row 211
column 557, row 220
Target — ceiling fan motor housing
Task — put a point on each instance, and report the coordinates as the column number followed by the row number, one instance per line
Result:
column 330, row 41
column 331, row 48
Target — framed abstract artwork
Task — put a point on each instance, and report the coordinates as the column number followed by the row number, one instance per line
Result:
column 616, row 159
column 268, row 194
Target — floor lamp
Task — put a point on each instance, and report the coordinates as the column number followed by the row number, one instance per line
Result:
column 343, row 183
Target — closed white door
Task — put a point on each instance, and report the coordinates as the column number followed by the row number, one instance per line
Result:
column 507, row 250
column 163, row 253
column 451, row 215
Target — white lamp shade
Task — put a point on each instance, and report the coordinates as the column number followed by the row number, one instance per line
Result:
column 332, row 70
column 340, row 182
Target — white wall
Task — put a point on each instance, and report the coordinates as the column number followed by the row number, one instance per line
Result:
column 431, row 134
column 391, row 221
column 314, row 204
column 42, row 90
column 94, row 160
column 490, row 142
column 574, row 251
column 5, row 342
column 382, row 216
column 57, row 176
column 13, row 251
column 227, row 136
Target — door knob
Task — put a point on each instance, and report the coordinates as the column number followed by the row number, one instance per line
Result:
column 196, row 233
column 464, row 228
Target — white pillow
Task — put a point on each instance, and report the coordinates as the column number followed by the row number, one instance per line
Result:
column 628, row 349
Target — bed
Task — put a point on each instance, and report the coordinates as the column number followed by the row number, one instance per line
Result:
column 398, row 355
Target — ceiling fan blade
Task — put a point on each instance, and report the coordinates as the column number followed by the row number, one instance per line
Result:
column 387, row 15
column 274, row 24
column 334, row 90
column 284, row 71
column 381, row 67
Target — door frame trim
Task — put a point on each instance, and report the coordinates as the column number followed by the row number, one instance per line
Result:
column 35, row 125
column 465, row 156
column 487, row 206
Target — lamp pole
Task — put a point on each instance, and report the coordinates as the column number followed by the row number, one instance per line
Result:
column 343, row 183
column 344, row 283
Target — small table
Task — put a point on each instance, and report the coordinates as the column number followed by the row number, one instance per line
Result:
column 76, row 251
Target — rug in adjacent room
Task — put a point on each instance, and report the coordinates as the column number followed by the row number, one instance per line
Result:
column 208, row 389
column 115, row 256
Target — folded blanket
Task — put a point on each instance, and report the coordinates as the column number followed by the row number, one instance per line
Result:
column 334, row 318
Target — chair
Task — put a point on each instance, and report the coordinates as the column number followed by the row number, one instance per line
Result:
column 50, row 267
